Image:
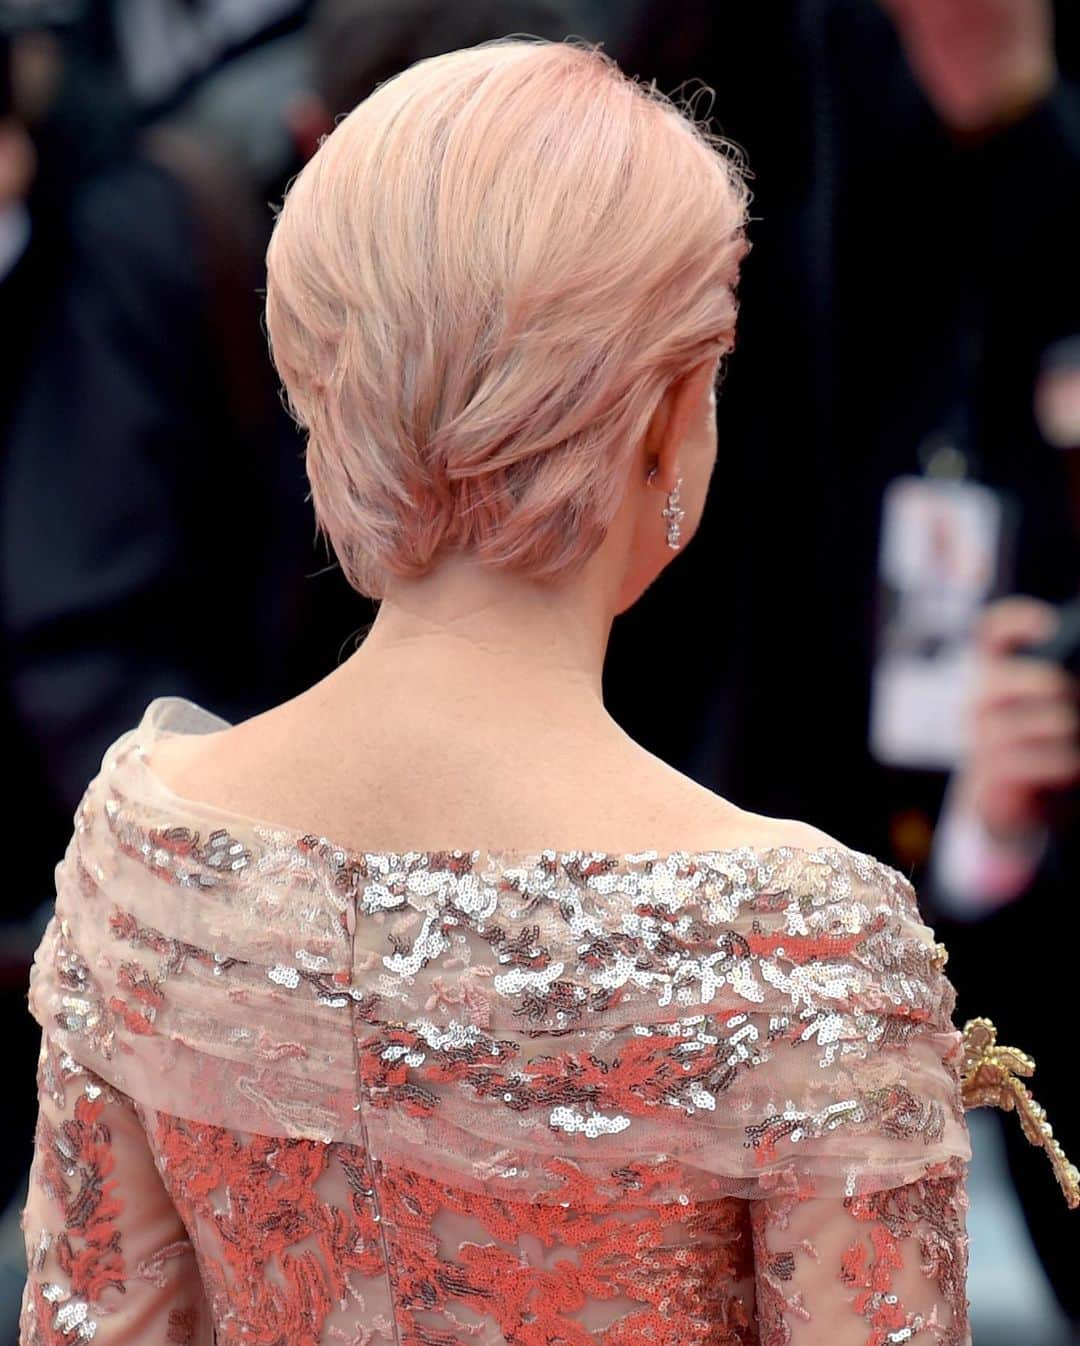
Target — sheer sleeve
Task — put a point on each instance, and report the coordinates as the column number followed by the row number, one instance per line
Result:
column 107, row 1255
column 883, row 1258
column 886, row 1267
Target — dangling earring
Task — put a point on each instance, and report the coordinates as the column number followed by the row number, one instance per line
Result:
column 674, row 516
column 672, row 513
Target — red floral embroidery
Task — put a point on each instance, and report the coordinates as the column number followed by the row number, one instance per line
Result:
column 929, row 1213
column 73, row 1167
column 904, row 1275
column 675, row 1274
column 679, row 1273
column 276, row 1256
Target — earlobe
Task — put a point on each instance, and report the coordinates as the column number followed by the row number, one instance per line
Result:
column 661, row 473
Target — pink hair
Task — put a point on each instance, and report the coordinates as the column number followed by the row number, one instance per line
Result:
column 479, row 289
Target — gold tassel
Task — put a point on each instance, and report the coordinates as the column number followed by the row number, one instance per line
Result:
column 990, row 1080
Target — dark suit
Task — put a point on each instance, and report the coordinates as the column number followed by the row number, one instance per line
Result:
column 155, row 538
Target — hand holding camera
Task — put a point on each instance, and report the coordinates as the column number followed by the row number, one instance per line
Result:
column 1025, row 728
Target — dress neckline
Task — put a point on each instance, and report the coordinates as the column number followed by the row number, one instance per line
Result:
column 180, row 716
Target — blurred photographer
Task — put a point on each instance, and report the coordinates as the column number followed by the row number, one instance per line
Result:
column 1005, row 873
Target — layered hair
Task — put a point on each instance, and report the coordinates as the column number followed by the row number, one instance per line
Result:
column 479, row 289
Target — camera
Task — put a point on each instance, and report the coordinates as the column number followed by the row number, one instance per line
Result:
column 1063, row 647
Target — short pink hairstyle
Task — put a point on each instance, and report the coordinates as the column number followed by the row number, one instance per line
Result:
column 478, row 291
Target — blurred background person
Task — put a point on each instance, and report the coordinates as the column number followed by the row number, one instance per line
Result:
column 61, row 122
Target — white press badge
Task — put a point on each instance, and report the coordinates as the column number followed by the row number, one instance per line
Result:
column 941, row 557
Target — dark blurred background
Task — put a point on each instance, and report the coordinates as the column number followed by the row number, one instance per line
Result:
column 910, row 312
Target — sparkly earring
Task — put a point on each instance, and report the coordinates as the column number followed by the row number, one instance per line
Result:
column 672, row 513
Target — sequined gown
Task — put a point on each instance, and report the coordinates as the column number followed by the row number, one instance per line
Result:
column 292, row 1094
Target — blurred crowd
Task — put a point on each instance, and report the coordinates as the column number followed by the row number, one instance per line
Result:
column 910, row 318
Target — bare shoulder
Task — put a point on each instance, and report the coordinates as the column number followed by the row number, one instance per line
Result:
column 792, row 832
column 711, row 822
column 763, row 832
column 197, row 766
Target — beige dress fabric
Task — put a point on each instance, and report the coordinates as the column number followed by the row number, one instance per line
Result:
column 293, row 1094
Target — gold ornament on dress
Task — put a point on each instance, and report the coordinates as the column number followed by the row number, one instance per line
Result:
column 990, row 1079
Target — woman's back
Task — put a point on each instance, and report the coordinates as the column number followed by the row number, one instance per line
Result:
column 299, row 1092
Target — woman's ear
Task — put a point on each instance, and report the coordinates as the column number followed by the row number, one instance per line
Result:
column 681, row 404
